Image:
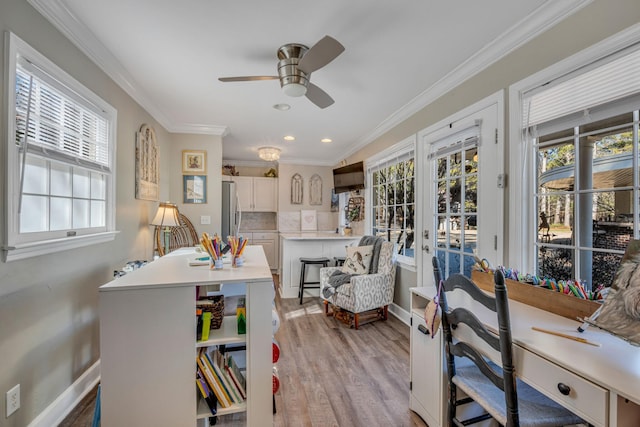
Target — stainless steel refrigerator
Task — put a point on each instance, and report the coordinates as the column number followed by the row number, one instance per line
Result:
column 231, row 215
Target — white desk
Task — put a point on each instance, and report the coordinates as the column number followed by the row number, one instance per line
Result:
column 604, row 381
column 148, row 341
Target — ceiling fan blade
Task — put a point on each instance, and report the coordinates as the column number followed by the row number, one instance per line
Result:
column 247, row 78
column 318, row 96
column 320, row 54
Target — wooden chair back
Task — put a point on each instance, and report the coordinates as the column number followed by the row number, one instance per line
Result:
column 179, row 237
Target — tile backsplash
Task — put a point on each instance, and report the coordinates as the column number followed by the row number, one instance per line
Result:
column 259, row 221
column 289, row 221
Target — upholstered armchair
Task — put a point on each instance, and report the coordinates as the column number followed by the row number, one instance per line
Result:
column 365, row 296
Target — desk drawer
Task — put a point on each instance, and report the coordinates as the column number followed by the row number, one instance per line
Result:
column 584, row 398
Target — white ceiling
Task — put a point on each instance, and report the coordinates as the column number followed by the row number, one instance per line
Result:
column 168, row 55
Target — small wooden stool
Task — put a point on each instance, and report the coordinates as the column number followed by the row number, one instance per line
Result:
column 323, row 262
column 339, row 260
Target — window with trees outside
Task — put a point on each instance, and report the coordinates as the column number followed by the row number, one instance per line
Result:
column 60, row 159
column 583, row 131
column 392, row 182
column 456, row 213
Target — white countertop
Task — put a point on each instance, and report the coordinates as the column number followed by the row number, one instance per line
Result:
column 317, row 235
column 174, row 270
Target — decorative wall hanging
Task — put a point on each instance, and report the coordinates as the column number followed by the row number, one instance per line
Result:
column 147, row 165
column 296, row 189
column 315, row 190
column 194, row 162
column 194, row 188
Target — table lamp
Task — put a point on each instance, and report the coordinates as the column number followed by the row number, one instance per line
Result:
column 167, row 217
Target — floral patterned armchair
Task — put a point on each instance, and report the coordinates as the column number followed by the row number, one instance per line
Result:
column 365, row 296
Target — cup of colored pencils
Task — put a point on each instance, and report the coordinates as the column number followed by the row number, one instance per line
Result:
column 237, row 248
column 213, row 248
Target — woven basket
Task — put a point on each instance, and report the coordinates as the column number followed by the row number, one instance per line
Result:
column 215, row 305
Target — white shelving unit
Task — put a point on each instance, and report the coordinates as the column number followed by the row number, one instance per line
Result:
column 148, row 342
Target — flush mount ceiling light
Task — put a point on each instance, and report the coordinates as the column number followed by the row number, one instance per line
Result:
column 326, row 140
column 269, row 154
column 289, row 138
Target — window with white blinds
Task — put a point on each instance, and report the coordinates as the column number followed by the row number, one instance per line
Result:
column 391, row 180
column 583, row 132
column 60, row 158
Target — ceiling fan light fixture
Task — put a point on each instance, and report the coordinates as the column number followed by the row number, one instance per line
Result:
column 269, row 154
column 294, row 89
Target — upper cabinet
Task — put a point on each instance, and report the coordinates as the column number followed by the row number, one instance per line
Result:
column 257, row 194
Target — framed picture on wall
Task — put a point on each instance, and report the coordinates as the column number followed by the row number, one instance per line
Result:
column 194, row 162
column 194, row 189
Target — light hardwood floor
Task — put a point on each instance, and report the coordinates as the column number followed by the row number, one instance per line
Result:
column 330, row 375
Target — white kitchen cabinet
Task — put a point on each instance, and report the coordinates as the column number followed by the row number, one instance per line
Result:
column 257, row 194
column 269, row 240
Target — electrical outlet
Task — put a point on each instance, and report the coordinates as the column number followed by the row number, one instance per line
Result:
column 13, row 400
column 205, row 219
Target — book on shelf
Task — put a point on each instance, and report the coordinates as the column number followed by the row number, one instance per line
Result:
column 206, row 325
column 212, row 381
column 213, row 360
column 219, row 359
column 235, row 374
column 207, row 395
column 211, row 366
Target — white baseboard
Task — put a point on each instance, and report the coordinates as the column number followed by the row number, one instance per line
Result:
column 55, row 413
column 400, row 313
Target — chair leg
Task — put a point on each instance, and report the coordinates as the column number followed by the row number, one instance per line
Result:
column 301, row 290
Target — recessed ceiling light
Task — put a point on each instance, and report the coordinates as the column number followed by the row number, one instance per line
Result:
column 282, row 107
column 289, row 138
column 326, row 140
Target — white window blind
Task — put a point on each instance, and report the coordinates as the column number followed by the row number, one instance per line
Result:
column 60, row 155
column 60, row 126
column 574, row 93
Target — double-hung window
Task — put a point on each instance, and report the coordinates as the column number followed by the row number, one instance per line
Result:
column 582, row 133
column 391, row 180
column 60, row 159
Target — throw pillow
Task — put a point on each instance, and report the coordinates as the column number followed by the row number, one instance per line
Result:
column 358, row 259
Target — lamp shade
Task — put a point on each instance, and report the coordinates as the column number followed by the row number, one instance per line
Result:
column 167, row 215
column 269, row 154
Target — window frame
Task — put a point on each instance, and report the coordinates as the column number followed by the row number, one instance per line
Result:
column 522, row 210
column 15, row 247
column 400, row 149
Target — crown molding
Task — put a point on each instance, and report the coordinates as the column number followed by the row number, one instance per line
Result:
column 537, row 22
column 545, row 16
column 56, row 12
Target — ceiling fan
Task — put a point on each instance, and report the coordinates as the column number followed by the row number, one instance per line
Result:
column 296, row 64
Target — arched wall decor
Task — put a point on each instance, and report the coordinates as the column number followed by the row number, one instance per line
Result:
column 296, row 189
column 315, row 190
column 147, row 165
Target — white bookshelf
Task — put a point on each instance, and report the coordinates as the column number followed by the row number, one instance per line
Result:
column 148, row 341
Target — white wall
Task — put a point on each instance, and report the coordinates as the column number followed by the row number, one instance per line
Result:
column 212, row 145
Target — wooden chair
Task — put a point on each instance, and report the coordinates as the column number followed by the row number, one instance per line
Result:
column 480, row 362
column 183, row 236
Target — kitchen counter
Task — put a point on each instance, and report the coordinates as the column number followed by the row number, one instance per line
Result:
column 317, row 235
column 295, row 245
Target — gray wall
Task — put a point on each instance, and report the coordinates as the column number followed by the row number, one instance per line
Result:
column 595, row 22
column 49, row 332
